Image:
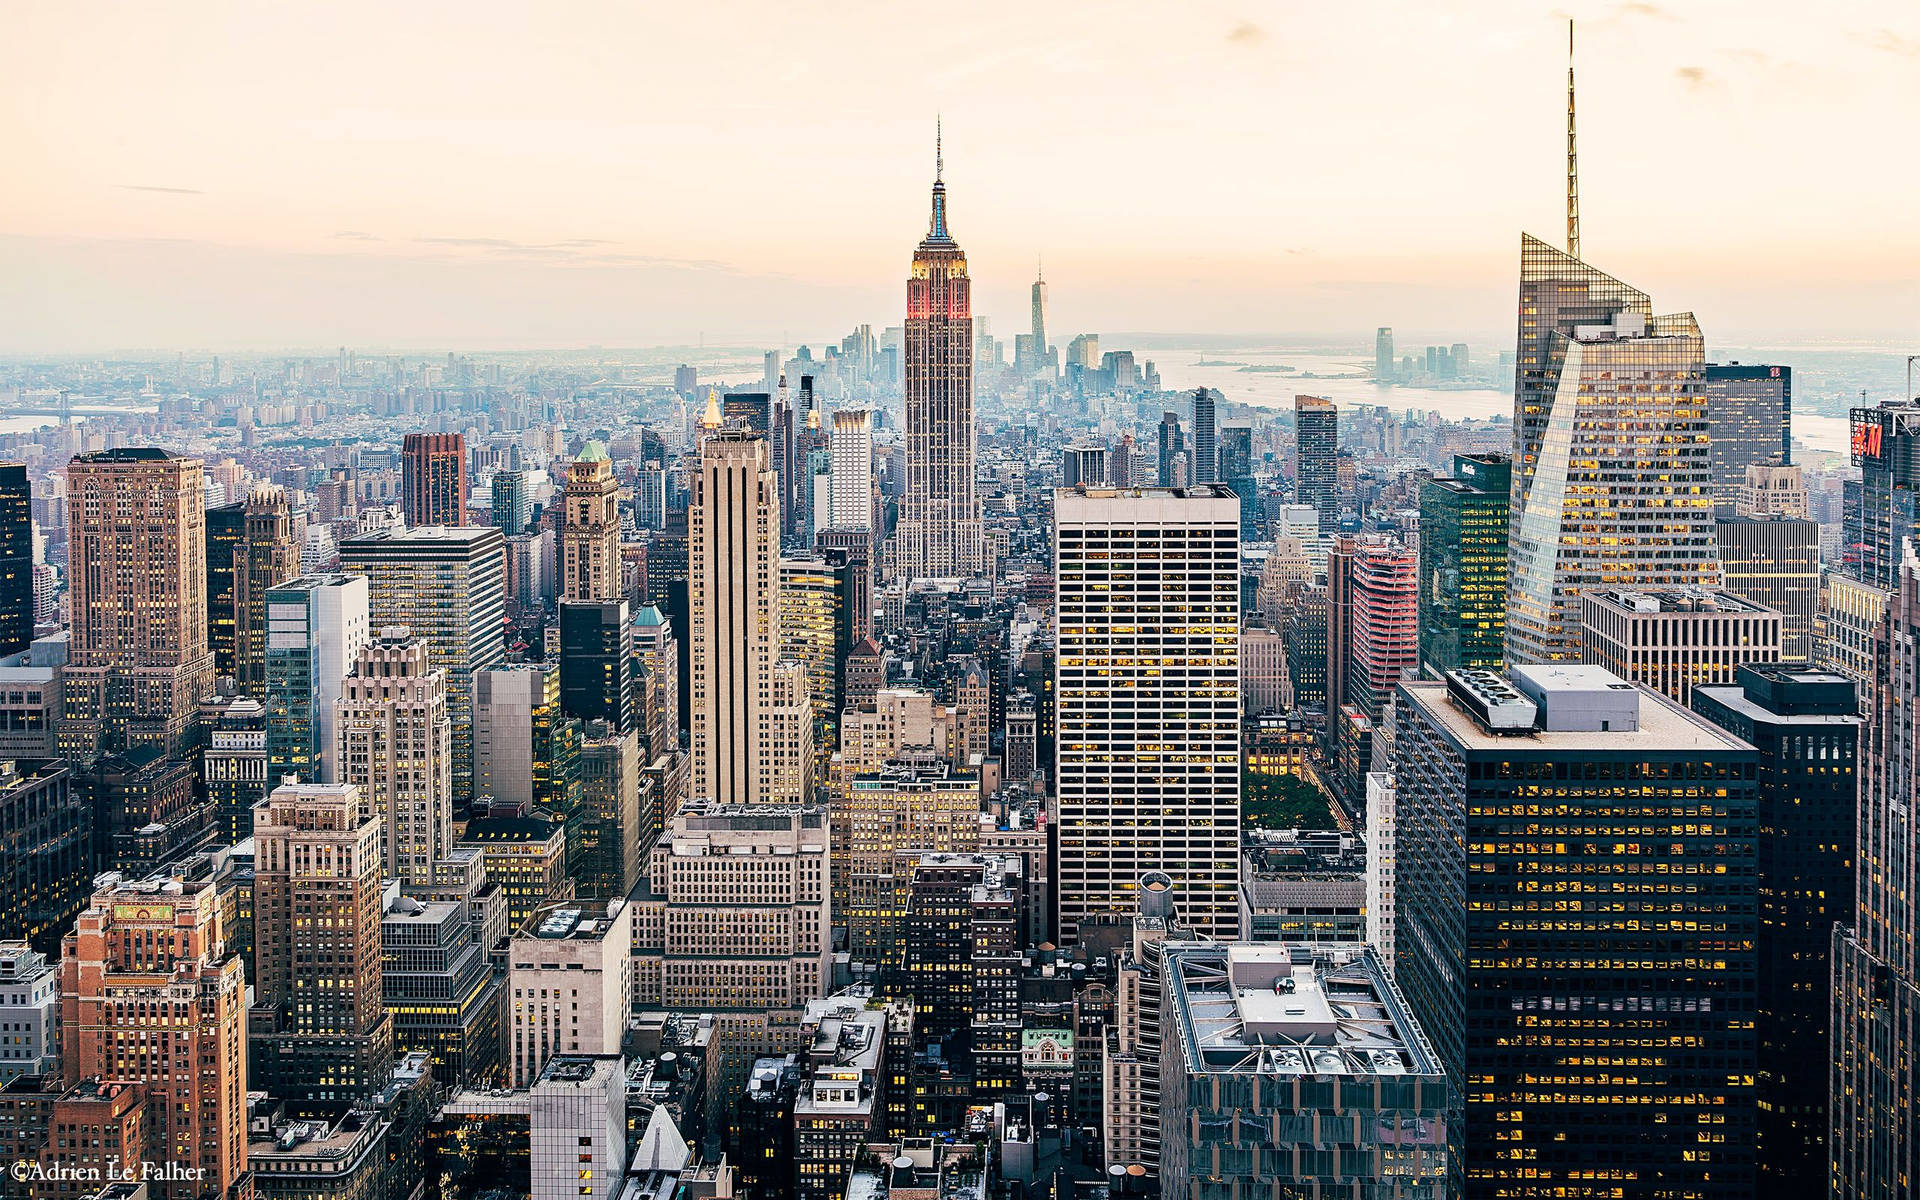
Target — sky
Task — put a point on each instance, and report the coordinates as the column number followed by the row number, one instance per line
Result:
column 206, row 176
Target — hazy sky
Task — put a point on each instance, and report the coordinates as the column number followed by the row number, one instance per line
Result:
column 214, row 175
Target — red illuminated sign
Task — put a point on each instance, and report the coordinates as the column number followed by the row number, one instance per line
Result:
column 1866, row 441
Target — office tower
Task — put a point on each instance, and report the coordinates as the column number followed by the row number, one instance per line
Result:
column 1083, row 466
column 152, row 994
column 433, row 479
column 1149, row 725
column 1339, row 609
column 47, row 857
column 1886, row 448
column 267, row 556
column 596, row 662
column 1540, row 785
column 316, row 628
column 1308, row 658
column 525, row 856
column 1383, row 800
column 1236, row 471
column 442, row 994
column 1621, row 494
column 857, row 547
column 1245, row 1020
column 884, row 823
column 1385, row 639
column 395, row 745
column 570, row 980
column 736, row 922
column 1316, row 423
column 1875, row 1082
column 840, row 1105
column 16, row 559
column 1263, row 671
column 590, row 535
column 1383, row 354
column 137, row 660
column 1039, row 319
column 612, row 827
column 1773, row 492
column 1775, row 562
column 145, row 808
column 512, row 502
column 752, row 410
column 517, row 714
column 1130, row 1066
column 29, row 1011
column 1173, row 443
column 939, row 533
column 1750, row 421
column 448, row 586
column 1805, row 724
column 1463, row 565
column 816, row 631
column 733, row 551
column 760, row 1133
column 851, row 447
column 1676, row 639
column 233, row 764
column 1206, row 446
column 318, row 1031
column 578, row 1130
column 226, row 537
column 658, row 689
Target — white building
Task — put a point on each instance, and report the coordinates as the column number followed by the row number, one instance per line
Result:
column 570, row 985
column 1148, row 700
column 577, row 1126
column 1381, row 802
column 395, row 739
column 316, row 628
column 29, row 1012
column 851, row 447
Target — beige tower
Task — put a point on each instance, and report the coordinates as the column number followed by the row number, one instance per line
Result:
column 138, row 663
column 396, row 745
column 742, row 707
column 268, row 555
column 590, row 538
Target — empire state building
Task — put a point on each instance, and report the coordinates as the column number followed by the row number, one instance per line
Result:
column 939, row 533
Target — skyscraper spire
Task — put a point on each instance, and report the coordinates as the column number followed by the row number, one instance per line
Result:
column 937, row 227
column 939, row 162
column 1573, row 159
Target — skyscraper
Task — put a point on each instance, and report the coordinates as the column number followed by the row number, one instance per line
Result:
column 1750, row 415
column 1316, row 423
column 137, row 663
column 1173, row 444
column 16, row 559
column 512, row 503
column 152, row 993
column 1775, row 561
column 395, row 746
column 1206, row 439
column 1148, row 722
column 1039, row 320
column 741, row 703
column 318, row 1030
column 1463, row 565
column 433, row 479
column 851, row 446
column 316, row 628
column 1806, row 725
column 1386, row 622
column 1886, row 448
column 1383, row 355
column 939, row 533
column 268, row 555
column 596, row 663
column 447, row 585
column 1549, row 1010
column 1875, row 1085
column 816, row 630
column 590, row 537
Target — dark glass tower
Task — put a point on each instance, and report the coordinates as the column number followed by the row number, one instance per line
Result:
column 1463, row 565
column 1886, row 448
column 1206, row 439
column 16, row 559
column 226, row 547
column 1806, row 727
column 1317, row 440
column 1173, row 443
column 1576, row 919
column 433, row 479
column 1750, row 415
column 596, row 662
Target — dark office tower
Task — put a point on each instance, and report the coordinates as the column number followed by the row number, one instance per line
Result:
column 685, row 380
column 1385, row 630
column 433, row 479
column 47, row 860
column 1874, row 1144
column 226, row 539
column 857, row 545
column 512, row 502
column 268, row 555
column 1805, row 724
column 1750, row 418
column 1383, row 354
column 1463, row 565
column 137, row 663
column 234, row 763
column 596, row 663
column 1317, row 441
column 1594, row 1003
column 16, row 559
column 1886, row 448
column 1206, row 439
column 318, row 1032
column 751, row 409
column 939, row 533
column 1339, row 610
column 1236, row 471
column 1774, row 561
column 1173, row 443
column 1306, row 635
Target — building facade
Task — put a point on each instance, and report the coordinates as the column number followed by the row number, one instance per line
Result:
column 395, row 745
column 1463, row 565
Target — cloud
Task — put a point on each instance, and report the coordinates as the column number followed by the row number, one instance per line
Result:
column 141, row 187
column 1246, row 33
column 355, row 235
column 1696, row 78
column 1890, row 42
column 1639, row 8
column 578, row 251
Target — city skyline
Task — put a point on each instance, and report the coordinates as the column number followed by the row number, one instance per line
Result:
column 1269, row 193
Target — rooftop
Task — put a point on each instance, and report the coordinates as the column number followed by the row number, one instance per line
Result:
column 1693, row 600
column 1662, row 727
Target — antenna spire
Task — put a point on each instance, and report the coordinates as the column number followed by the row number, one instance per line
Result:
column 939, row 158
column 1573, row 159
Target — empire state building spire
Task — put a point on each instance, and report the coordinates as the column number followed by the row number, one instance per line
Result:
column 937, row 234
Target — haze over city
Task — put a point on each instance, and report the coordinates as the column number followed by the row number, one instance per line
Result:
column 493, row 175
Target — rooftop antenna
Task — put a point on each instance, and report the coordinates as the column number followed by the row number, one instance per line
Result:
column 1573, row 159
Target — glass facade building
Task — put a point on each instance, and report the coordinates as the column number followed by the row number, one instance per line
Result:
column 1317, row 439
column 1750, row 410
column 1463, row 565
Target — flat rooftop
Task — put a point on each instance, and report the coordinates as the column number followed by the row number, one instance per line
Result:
column 1664, row 726
column 1651, row 601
